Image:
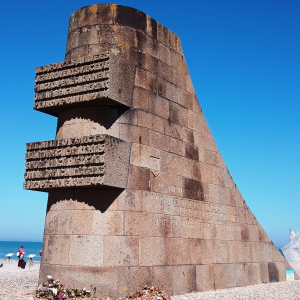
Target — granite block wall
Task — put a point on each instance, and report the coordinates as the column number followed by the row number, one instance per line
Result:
column 164, row 210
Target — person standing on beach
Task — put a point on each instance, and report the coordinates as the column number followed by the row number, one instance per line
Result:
column 21, row 256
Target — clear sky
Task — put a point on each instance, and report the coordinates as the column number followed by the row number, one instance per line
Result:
column 244, row 61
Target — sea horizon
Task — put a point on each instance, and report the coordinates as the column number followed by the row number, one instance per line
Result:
column 13, row 247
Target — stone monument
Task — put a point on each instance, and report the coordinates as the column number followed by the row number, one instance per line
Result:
column 138, row 191
column 291, row 251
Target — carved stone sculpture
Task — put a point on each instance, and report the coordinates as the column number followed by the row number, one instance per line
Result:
column 138, row 191
column 291, row 251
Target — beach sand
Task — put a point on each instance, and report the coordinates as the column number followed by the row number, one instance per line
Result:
column 18, row 284
column 286, row 290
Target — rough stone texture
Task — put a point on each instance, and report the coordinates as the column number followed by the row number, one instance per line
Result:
column 95, row 161
column 179, row 220
column 104, row 79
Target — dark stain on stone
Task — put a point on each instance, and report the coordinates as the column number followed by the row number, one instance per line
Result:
column 192, row 189
column 174, row 113
column 154, row 28
column 146, row 43
column 104, row 14
column 165, row 35
column 192, row 152
column 245, row 234
column 141, row 40
column 127, row 16
column 273, row 272
column 190, row 137
column 140, row 178
column 191, row 278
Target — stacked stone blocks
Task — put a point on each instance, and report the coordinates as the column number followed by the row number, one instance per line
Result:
column 177, row 220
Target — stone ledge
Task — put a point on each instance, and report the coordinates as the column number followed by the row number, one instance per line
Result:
column 60, row 163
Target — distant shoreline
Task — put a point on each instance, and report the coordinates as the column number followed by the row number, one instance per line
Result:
column 13, row 247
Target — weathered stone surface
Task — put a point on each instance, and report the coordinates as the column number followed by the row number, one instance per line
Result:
column 168, row 212
column 104, row 79
column 95, row 161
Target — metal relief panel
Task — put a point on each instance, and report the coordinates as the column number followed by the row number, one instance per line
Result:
column 76, row 162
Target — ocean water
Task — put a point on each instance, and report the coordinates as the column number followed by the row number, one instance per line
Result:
column 13, row 247
column 281, row 252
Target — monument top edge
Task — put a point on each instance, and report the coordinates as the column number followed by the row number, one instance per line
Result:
column 113, row 14
column 112, row 6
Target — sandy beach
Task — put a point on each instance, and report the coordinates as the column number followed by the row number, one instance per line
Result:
column 286, row 290
column 18, row 284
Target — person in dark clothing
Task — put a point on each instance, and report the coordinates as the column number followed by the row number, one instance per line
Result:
column 21, row 256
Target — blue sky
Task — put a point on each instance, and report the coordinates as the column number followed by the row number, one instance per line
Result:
column 244, row 61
